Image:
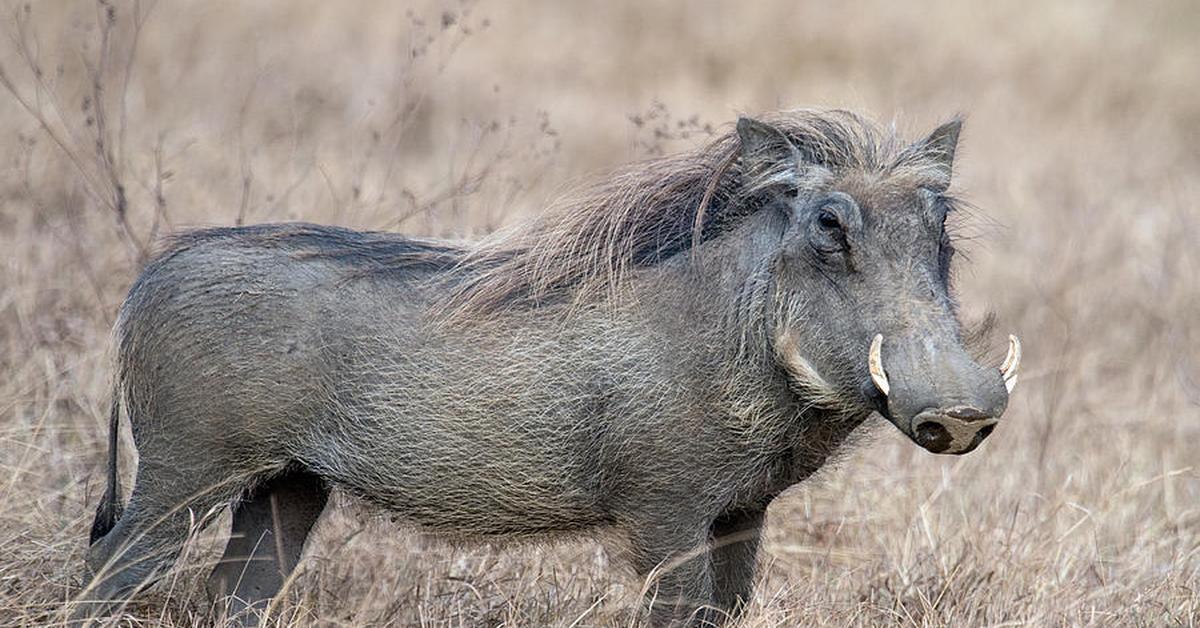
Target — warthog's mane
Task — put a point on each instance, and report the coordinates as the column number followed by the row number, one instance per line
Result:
column 647, row 212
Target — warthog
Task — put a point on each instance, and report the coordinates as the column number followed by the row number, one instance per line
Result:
column 660, row 357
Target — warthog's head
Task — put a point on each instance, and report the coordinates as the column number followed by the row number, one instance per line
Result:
column 864, row 317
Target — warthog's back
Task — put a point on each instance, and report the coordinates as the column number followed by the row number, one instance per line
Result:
column 247, row 316
column 295, row 344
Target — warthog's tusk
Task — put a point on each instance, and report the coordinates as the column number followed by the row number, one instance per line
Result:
column 1012, row 362
column 875, row 365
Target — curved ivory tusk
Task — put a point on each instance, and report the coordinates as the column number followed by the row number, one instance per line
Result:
column 1012, row 362
column 875, row 365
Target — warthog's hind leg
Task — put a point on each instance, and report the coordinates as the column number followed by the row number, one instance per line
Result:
column 161, row 514
column 269, row 529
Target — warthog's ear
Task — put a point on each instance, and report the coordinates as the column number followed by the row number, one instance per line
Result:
column 769, row 159
column 939, row 148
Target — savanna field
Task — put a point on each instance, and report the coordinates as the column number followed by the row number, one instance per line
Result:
column 124, row 121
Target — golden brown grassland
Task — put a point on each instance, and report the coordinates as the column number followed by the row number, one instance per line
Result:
column 1082, row 155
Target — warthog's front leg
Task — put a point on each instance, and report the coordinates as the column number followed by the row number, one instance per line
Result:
column 735, row 543
column 678, row 573
column 270, row 527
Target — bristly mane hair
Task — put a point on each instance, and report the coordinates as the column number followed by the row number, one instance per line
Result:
column 647, row 212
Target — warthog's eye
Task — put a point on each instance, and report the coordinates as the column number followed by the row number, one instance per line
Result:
column 827, row 225
column 828, row 232
column 941, row 206
column 945, row 252
column 828, row 220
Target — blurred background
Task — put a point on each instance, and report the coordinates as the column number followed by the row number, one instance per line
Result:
column 123, row 120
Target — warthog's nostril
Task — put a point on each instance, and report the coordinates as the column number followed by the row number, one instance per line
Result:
column 933, row 436
column 942, row 433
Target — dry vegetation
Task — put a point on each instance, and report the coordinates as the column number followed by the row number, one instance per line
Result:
column 122, row 121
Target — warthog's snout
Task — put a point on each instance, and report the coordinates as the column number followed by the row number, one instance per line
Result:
column 954, row 431
column 939, row 396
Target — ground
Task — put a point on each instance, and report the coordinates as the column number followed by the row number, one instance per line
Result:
column 1081, row 158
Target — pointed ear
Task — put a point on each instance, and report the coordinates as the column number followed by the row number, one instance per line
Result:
column 769, row 158
column 939, row 147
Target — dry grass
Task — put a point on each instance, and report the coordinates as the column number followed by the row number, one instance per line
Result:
column 1080, row 151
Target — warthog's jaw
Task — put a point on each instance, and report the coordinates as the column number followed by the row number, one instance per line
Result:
column 955, row 426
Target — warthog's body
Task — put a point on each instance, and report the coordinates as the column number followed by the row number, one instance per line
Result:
column 522, row 422
column 507, row 389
